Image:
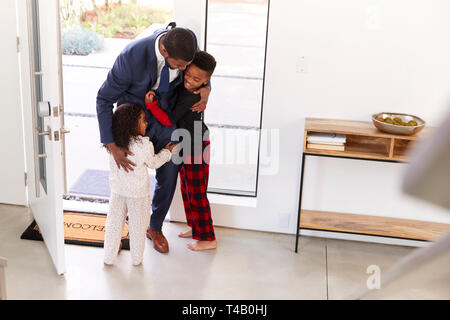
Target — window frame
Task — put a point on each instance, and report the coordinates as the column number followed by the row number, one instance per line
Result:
column 242, row 193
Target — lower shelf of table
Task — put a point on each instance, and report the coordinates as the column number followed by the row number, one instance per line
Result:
column 372, row 225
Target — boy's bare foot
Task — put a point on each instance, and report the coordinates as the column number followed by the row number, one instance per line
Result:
column 186, row 234
column 202, row 245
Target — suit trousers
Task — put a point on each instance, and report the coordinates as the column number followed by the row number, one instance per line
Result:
column 166, row 180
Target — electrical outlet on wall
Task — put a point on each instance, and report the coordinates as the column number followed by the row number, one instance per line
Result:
column 302, row 64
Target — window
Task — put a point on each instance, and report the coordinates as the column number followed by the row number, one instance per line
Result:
column 236, row 33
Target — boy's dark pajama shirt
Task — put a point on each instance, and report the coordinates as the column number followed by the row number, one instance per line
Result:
column 194, row 171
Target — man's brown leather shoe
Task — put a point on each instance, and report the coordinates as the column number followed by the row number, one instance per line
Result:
column 159, row 241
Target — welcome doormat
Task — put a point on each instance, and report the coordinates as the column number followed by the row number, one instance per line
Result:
column 81, row 228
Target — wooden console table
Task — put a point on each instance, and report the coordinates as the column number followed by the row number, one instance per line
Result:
column 363, row 142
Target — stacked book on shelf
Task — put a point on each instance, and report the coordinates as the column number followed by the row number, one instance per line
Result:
column 326, row 141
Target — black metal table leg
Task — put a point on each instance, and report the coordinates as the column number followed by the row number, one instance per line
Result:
column 300, row 202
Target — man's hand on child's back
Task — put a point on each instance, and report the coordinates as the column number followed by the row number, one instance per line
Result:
column 120, row 156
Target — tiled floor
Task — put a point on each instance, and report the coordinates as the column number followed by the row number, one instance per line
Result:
column 247, row 265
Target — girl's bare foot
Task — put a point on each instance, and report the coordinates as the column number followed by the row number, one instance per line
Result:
column 186, row 234
column 202, row 245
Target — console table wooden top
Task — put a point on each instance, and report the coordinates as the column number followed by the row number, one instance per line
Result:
column 364, row 141
column 364, row 128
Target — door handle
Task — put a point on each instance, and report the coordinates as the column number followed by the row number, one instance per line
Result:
column 48, row 132
column 64, row 131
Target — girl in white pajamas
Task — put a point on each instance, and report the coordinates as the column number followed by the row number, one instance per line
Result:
column 130, row 191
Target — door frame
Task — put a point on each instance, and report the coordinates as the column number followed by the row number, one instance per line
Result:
column 26, row 96
column 13, row 172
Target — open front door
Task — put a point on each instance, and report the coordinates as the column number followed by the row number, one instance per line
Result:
column 45, row 162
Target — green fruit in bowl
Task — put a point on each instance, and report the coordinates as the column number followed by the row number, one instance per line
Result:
column 389, row 120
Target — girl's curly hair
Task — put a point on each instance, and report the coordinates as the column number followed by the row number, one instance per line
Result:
column 125, row 124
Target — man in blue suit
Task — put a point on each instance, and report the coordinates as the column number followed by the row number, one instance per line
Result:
column 156, row 62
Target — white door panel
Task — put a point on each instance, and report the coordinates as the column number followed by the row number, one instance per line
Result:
column 40, row 61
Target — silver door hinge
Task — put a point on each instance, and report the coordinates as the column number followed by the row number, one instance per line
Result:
column 18, row 43
column 26, row 179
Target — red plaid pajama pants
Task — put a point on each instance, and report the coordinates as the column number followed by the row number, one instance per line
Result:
column 194, row 183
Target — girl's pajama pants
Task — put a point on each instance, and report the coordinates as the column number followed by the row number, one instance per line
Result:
column 138, row 210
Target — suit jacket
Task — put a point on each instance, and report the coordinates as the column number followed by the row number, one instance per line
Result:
column 134, row 73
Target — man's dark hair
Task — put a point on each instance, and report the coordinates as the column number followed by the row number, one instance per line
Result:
column 204, row 61
column 180, row 44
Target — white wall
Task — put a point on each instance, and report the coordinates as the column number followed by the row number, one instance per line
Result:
column 192, row 15
column 363, row 57
column 12, row 168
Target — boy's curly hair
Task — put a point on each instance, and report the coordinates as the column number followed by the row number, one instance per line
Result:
column 125, row 123
column 205, row 61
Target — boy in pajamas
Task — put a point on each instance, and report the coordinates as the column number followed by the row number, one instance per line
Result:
column 194, row 171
